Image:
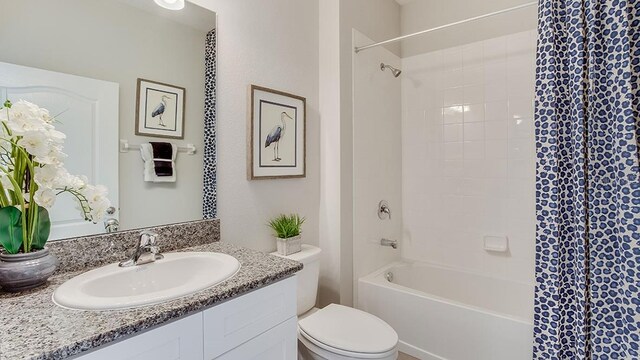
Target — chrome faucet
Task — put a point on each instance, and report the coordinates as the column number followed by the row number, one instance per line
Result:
column 111, row 224
column 147, row 250
column 387, row 242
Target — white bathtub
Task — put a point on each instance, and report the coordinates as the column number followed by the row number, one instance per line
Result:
column 442, row 313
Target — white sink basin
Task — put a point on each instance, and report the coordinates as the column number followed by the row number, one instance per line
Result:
column 112, row 287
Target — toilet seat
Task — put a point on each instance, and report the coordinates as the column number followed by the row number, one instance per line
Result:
column 351, row 333
column 328, row 352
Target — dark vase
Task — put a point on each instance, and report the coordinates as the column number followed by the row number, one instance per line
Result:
column 19, row 272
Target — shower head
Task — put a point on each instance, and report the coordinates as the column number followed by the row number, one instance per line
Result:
column 394, row 71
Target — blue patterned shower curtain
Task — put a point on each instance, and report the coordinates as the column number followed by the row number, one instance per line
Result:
column 587, row 302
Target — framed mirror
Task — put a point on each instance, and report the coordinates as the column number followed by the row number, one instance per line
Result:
column 84, row 60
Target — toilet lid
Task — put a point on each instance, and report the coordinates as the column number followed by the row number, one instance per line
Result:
column 349, row 329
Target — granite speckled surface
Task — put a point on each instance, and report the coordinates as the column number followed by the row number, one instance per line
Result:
column 33, row 327
column 97, row 250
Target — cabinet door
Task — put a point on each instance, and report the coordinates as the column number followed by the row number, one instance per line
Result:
column 180, row 340
column 235, row 322
column 279, row 343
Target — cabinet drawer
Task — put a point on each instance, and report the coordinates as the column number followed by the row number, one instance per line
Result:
column 180, row 340
column 279, row 343
column 230, row 324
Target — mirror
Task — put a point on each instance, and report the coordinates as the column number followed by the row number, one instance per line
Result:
column 82, row 60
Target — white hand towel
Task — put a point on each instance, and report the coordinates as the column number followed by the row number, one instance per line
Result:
column 146, row 150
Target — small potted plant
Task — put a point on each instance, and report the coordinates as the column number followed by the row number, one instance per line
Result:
column 32, row 175
column 288, row 229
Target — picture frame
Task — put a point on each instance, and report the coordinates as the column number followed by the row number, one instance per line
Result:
column 159, row 109
column 276, row 134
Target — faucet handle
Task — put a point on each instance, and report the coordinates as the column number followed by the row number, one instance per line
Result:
column 148, row 238
column 384, row 211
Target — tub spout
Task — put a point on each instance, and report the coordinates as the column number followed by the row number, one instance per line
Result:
column 387, row 242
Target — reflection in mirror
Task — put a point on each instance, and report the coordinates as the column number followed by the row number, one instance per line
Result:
column 81, row 60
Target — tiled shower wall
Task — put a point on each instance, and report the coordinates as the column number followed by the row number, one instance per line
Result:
column 468, row 165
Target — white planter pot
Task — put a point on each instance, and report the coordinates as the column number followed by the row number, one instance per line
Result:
column 290, row 245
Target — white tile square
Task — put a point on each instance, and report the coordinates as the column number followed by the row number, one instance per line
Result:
column 474, row 113
column 521, row 148
column 452, row 206
column 473, row 150
column 496, row 130
column 495, row 91
column 521, row 67
column 521, row 188
column 452, row 133
column 473, row 187
column 474, row 168
column 520, row 128
column 520, row 108
column 453, row 78
column 473, row 75
column 496, row 168
column 452, row 58
column 519, row 169
column 518, row 44
column 473, row 205
column 496, row 110
column 495, row 49
column 433, row 134
column 473, row 131
column 472, row 54
column 520, row 87
column 496, row 149
column 495, row 71
column 431, row 98
column 452, row 168
column 452, row 151
column 452, row 186
column 473, row 94
column 495, row 188
column 452, row 96
column 452, row 114
column 433, row 115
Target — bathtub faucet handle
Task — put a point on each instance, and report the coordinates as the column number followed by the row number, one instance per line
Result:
column 384, row 210
column 387, row 242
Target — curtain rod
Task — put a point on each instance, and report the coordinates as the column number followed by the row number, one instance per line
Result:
column 361, row 48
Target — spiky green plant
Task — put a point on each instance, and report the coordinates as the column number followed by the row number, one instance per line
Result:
column 287, row 226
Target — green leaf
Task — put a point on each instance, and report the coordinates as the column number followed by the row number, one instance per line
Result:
column 10, row 229
column 42, row 229
column 287, row 226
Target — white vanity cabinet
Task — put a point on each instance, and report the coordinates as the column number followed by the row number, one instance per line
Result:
column 259, row 325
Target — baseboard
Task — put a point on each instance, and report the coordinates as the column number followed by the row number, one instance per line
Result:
column 417, row 352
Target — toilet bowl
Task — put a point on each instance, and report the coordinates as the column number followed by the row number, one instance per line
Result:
column 336, row 332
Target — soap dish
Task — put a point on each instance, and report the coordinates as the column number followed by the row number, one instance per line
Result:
column 496, row 243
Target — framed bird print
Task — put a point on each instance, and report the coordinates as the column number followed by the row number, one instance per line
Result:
column 277, row 134
column 160, row 110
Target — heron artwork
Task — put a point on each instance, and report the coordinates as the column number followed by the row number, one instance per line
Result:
column 159, row 110
column 275, row 135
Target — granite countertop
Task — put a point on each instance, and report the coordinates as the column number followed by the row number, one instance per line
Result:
column 33, row 327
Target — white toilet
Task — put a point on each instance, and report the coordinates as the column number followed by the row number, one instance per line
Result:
column 336, row 332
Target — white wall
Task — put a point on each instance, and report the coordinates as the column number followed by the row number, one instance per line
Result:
column 377, row 159
column 380, row 20
column 274, row 44
column 329, row 97
column 119, row 43
column 469, row 155
column 419, row 15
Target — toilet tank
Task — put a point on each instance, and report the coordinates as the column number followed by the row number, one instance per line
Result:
column 307, row 277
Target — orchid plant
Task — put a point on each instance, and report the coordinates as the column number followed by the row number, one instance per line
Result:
column 32, row 175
